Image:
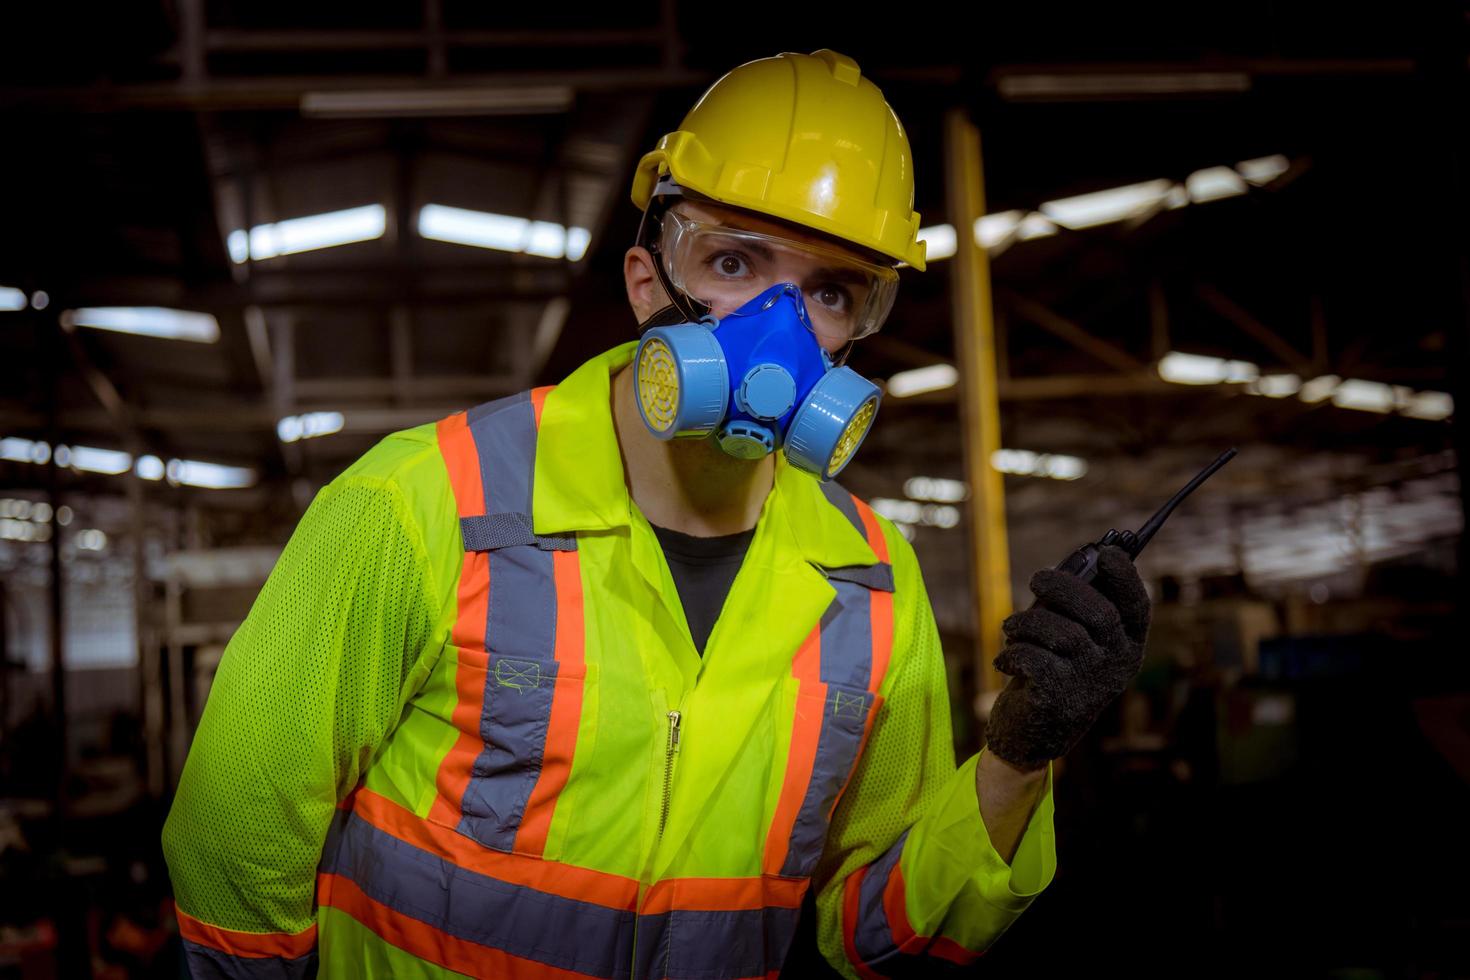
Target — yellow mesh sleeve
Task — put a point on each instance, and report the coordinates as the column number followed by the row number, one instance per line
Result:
column 908, row 759
column 908, row 772
column 307, row 688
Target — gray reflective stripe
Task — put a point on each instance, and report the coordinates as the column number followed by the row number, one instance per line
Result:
column 838, row 497
column 878, row 577
column 846, row 667
column 714, row 945
column 505, row 439
column 847, row 637
column 492, row 531
column 209, row 964
column 535, row 925
column 513, row 723
column 872, row 934
column 520, row 623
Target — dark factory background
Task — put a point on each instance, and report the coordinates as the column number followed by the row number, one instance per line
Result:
column 240, row 243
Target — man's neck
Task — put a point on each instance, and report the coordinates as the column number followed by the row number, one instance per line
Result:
column 688, row 485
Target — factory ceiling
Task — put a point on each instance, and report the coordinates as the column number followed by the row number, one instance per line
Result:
column 1295, row 186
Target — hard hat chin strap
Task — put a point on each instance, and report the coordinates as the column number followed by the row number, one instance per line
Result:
column 681, row 308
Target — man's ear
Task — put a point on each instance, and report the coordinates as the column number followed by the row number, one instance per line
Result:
column 645, row 294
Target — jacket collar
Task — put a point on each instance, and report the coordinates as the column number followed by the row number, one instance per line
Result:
column 579, row 481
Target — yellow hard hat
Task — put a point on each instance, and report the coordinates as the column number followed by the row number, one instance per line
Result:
column 800, row 137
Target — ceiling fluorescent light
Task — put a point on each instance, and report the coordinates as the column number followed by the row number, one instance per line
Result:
column 306, row 234
column 146, row 321
column 93, row 460
column 149, row 468
column 1023, row 462
column 919, row 380
column 1035, row 225
column 1196, row 369
column 503, row 101
column 1101, row 207
column 1275, row 385
column 1369, row 396
column 1213, row 183
column 211, row 476
column 906, row 511
column 12, row 299
column 911, row 512
column 308, row 426
column 19, row 450
column 992, row 229
column 546, row 240
column 935, row 488
column 1060, row 467
column 1100, row 85
column 577, row 241
column 1432, row 405
column 939, row 242
column 1263, row 170
column 504, row 232
column 1319, row 388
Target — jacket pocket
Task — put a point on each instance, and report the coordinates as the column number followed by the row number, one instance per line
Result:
column 527, row 728
column 838, row 719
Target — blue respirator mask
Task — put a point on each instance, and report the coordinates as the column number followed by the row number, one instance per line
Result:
column 758, row 380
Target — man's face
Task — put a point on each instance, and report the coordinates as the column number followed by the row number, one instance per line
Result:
column 726, row 276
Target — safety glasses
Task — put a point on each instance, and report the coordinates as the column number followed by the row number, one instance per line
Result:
column 722, row 267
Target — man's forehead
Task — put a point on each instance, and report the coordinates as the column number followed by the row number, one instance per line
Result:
column 751, row 221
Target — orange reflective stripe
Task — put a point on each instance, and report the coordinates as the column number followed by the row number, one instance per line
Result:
column 469, row 682
column 906, row 941
column 565, row 880
column 874, row 532
column 880, row 602
column 457, row 447
column 896, row 909
column 566, row 704
column 249, row 945
column 724, row 894
column 806, row 731
column 948, row 949
column 538, row 401
column 426, row 942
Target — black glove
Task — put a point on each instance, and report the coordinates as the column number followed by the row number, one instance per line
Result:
column 1068, row 656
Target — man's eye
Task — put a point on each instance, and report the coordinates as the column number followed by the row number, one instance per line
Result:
column 730, row 264
column 833, row 297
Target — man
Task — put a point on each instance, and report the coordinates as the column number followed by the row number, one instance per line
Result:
column 539, row 691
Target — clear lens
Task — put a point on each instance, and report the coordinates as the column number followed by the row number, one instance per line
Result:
column 725, row 267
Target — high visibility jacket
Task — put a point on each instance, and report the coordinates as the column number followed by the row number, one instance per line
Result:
column 464, row 731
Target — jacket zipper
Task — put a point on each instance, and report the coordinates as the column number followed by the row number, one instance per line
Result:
column 671, row 749
column 669, row 752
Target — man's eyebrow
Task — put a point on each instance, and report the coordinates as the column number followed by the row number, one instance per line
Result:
column 840, row 274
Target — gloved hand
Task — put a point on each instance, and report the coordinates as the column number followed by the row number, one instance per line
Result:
column 1069, row 656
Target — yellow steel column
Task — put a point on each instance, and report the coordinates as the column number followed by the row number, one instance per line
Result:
column 974, row 328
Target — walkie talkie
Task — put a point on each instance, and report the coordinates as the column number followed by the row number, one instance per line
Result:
column 1083, row 562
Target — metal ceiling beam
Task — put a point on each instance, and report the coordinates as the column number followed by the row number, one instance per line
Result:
column 1256, row 330
column 236, row 39
column 285, row 92
column 371, row 284
column 262, row 416
column 1060, row 327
